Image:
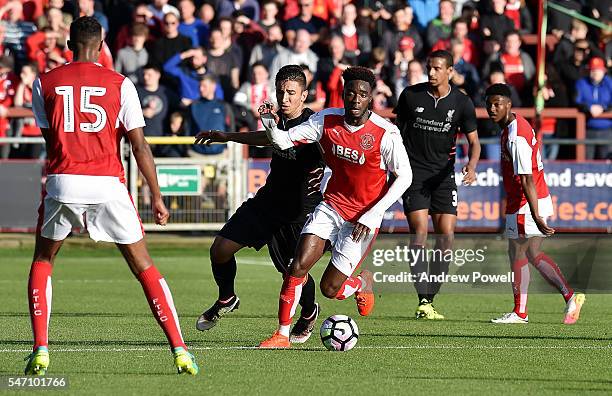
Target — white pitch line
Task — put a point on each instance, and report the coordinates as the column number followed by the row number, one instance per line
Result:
column 371, row 347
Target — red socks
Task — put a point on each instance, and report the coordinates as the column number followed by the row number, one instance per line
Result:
column 39, row 299
column 289, row 298
column 520, row 286
column 349, row 287
column 160, row 300
column 155, row 288
column 551, row 272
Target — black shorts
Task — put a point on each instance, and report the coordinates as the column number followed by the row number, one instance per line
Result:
column 251, row 227
column 436, row 193
column 283, row 244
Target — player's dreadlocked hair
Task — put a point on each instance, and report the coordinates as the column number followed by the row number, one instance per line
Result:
column 499, row 89
column 359, row 73
column 291, row 73
column 85, row 30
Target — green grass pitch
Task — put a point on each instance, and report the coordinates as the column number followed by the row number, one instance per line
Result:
column 105, row 340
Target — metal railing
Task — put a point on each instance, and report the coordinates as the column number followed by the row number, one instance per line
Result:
column 222, row 188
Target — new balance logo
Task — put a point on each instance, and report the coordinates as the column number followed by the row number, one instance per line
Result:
column 336, row 132
column 419, row 109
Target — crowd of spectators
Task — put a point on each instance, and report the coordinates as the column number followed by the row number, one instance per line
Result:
column 210, row 64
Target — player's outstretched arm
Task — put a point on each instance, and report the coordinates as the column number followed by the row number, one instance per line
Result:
column 469, row 170
column 144, row 159
column 396, row 160
column 309, row 131
column 251, row 138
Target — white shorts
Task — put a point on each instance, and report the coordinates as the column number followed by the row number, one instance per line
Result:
column 112, row 221
column 347, row 254
column 522, row 225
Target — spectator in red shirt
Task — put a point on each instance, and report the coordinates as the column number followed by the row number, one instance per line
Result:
column 328, row 10
column 357, row 43
column 335, row 86
column 460, row 32
column 517, row 65
column 518, row 12
column 141, row 14
column 26, row 127
column 44, row 51
column 519, row 69
column 253, row 93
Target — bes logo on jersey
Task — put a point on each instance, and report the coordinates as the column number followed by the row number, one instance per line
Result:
column 348, row 154
column 367, row 142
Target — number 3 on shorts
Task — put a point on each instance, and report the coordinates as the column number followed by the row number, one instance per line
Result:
column 454, row 202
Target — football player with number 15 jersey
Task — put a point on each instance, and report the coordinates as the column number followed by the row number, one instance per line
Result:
column 82, row 109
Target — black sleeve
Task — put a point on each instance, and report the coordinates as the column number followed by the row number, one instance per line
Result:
column 469, row 122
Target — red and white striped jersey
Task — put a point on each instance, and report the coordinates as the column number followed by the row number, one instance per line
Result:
column 520, row 155
column 359, row 158
column 85, row 108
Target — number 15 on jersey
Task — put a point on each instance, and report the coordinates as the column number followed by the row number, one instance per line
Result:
column 85, row 106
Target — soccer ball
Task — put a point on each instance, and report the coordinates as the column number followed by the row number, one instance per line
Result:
column 339, row 333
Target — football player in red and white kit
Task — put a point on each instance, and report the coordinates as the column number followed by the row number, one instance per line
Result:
column 82, row 109
column 359, row 147
column 528, row 206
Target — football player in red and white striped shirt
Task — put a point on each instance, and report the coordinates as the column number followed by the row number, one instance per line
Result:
column 528, row 206
column 83, row 110
column 359, row 147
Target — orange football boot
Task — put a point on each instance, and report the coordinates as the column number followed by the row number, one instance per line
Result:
column 365, row 297
column 277, row 341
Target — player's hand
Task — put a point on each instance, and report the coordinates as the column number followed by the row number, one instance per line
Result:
column 266, row 110
column 160, row 213
column 543, row 227
column 360, row 232
column 208, row 137
column 469, row 175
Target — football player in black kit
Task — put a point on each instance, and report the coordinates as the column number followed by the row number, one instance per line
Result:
column 429, row 116
column 276, row 215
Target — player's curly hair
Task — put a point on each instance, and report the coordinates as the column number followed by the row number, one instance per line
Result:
column 85, row 29
column 359, row 73
column 291, row 73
